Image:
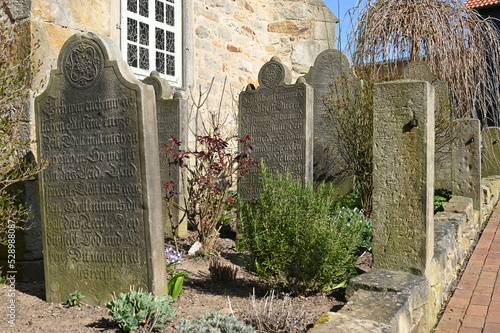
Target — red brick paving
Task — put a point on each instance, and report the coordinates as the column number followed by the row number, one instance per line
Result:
column 475, row 305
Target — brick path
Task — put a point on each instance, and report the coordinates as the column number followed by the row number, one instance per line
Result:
column 475, row 305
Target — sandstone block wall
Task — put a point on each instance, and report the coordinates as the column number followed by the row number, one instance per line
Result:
column 222, row 38
column 234, row 38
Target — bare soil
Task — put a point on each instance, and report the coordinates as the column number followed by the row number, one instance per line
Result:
column 34, row 314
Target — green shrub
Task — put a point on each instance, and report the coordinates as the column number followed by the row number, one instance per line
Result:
column 134, row 309
column 440, row 195
column 214, row 322
column 298, row 239
column 350, row 200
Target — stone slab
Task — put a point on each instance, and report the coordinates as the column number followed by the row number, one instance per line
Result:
column 444, row 130
column 403, row 176
column 491, row 151
column 279, row 118
column 389, row 308
column 172, row 120
column 334, row 322
column 466, row 162
column 100, row 195
column 381, row 280
column 328, row 78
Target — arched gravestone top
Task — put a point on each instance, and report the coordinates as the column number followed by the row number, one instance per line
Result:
column 274, row 73
column 101, row 194
column 163, row 90
column 328, row 66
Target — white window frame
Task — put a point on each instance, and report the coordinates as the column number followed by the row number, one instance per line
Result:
column 177, row 79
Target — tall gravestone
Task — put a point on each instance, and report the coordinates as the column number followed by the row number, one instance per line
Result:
column 330, row 76
column 445, row 129
column 403, row 176
column 491, row 152
column 279, row 118
column 466, row 162
column 172, row 119
column 100, row 195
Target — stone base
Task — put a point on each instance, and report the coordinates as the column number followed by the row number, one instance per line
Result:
column 379, row 301
column 335, row 322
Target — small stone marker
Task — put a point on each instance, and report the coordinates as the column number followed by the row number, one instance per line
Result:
column 403, row 176
column 491, row 152
column 101, row 195
column 172, row 121
column 330, row 68
column 279, row 117
column 466, row 162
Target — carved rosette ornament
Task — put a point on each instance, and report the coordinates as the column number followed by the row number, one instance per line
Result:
column 272, row 74
column 83, row 64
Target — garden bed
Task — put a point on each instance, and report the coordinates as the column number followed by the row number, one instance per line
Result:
column 200, row 294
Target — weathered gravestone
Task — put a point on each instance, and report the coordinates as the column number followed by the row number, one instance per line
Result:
column 491, row 152
column 101, row 196
column 403, row 176
column 330, row 77
column 171, row 113
column 279, row 117
column 445, row 127
column 466, row 162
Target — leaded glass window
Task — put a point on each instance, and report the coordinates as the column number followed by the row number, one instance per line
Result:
column 151, row 39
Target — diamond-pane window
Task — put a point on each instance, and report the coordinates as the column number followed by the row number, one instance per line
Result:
column 152, row 38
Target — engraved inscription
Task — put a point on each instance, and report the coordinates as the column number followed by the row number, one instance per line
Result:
column 275, row 118
column 100, row 194
column 93, row 194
